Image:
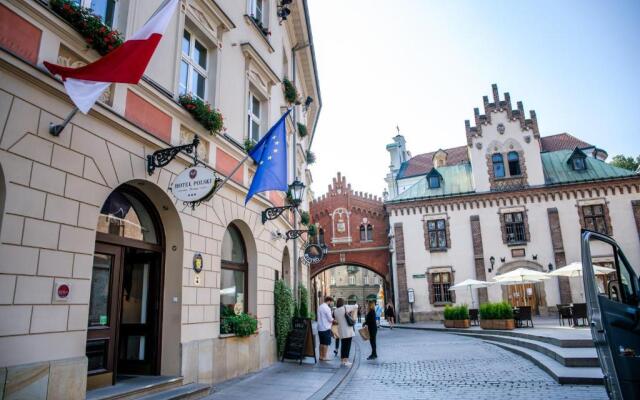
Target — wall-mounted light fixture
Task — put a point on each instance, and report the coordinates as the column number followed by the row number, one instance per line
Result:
column 502, row 259
column 297, row 191
column 283, row 10
column 550, row 266
column 535, row 256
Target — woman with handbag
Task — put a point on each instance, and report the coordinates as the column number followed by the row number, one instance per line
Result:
column 346, row 318
column 372, row 326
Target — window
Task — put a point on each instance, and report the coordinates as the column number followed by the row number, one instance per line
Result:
column 437, row 231
column 434, row 182
column 257, row 10
column 254, row 118
column 440, row 283
column 333, row 281
column 193, row 67
column 594, row 218
column 320, row 236
column 514, row 163
column 234, row 276
column 366, row 232
column 514, row 226
column 105, row 9
column 352, row 279
column 498, row 165
column 366, row 279
column 125, row 215
column 579, row 164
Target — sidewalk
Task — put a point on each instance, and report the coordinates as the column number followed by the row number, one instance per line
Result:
column 288, row 380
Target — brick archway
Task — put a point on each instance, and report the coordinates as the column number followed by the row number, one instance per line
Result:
column 355, row 229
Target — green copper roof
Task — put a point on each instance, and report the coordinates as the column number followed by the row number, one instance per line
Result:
column 557, row 170
column 456, row 179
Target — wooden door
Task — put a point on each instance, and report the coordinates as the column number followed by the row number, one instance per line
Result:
column 102, row 332
column 523, row 294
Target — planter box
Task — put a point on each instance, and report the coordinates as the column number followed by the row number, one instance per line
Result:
column 507, row 324
column 456, row 323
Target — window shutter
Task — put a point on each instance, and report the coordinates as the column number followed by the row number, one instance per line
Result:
column 451, row 283
column 430, row 289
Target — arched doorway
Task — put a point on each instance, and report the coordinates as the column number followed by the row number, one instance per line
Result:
column 125, row 307
column 525, row 294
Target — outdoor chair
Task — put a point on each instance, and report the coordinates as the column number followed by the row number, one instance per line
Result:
column 473, row 316
column 580, row 312
column 524, row 315
column 564, row 312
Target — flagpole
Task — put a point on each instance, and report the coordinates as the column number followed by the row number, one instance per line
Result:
column 226, row 179
column 57, row 129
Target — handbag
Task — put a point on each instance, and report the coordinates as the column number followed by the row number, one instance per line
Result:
column 349, row 318
column 335, row 332
column 364, row 333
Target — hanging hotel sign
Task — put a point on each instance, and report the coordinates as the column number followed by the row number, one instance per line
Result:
column 313, row 254
column 194, row 184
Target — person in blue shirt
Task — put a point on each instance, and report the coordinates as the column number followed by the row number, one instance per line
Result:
column 378, row 314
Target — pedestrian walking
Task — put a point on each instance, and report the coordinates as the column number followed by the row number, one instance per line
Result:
column 325, row 320
column 378, row 314
column 372, row 327
column 390, row 315
column 345, row 316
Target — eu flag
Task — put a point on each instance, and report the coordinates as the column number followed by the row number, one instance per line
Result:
column 270, row 153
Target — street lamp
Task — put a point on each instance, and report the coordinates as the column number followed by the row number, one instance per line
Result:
column 492, row 260
column 297, row 190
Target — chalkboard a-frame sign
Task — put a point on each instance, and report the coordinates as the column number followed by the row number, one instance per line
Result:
column 300, row 342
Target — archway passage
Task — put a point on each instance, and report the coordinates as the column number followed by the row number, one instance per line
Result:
column 354, row 283
column 125, row 307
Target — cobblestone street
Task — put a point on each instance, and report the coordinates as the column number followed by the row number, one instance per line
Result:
column 432, row 365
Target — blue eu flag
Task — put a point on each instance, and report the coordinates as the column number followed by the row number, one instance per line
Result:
column 270, row 153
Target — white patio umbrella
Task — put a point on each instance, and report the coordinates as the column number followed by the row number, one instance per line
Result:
column 521, row 276
column 470, row 284
column 574, row 270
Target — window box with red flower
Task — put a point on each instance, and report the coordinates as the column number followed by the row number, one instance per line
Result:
column 202, row 111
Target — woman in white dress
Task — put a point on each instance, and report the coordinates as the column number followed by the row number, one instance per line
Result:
column 345, row 331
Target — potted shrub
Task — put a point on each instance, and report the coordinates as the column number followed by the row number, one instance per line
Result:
column 202, row 111
column 496, row 316
column 302, row 130
column 242, row 324
column 456, row 317
column 290, row 92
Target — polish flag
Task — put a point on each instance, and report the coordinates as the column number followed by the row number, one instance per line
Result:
column 125, row 64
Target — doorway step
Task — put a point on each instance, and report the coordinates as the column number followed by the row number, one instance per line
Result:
column 567, row 361
column 150, row 388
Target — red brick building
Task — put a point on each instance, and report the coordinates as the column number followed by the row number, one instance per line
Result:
column 354, row 227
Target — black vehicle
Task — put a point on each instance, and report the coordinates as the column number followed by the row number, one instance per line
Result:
column 614, row 316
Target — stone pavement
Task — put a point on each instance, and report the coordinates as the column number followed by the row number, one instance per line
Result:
column 433, row 365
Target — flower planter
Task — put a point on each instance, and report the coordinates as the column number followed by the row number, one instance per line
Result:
column 456, row 323
column 503, row 324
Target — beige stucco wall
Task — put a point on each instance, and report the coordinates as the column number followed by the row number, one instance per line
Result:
column 55, row 187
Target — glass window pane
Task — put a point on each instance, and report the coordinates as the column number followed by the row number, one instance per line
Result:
column 231, row 292
column 233, row 246
column 597, row 210
column 440, row 224
column 200, row 55
column 442, row 239
column 436, row 278
column 431, row 225
column 104, row 9
column 498, row 170
column 255, row 106
column 135, row 294
column 255, row 131
column 198, row 84
column 100, row 284
column 513, row 156
column 186, row 43
column 97, row 351
column 508, row 218
column 586, row 210
column 124, row 215
column 184, row 77
column 133, row 348
column 445, row 278
column 433, row 242
column 518, row 217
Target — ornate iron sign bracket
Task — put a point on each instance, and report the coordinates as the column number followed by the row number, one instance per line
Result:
column 162, row 157
column 272, row 213
column 294, row 234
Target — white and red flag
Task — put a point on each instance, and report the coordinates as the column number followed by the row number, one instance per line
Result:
column 125, row 64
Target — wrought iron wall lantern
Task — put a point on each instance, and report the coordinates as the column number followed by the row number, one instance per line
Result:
column 162, row 157
column 283, row 10
column 297, row 190
column 492, row 261
column 550, row 266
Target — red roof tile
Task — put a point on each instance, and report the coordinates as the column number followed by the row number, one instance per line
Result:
column 422, row 163
column 562, row 141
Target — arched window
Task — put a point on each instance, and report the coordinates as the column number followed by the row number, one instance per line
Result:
column 363, row 233
column 126, row 216
column 320, row 236
column 514, row 163
column 498, row 165
column 369, row 232
column 234, row 277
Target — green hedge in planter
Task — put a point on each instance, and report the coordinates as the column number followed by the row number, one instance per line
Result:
column 202, row 111
column 501, row 310
column 242, row 324
column 284, row 312
column 456, row 313
column 305, row 218
column 290, row 92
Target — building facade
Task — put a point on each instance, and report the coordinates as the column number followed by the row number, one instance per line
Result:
column 97, row 257
column 508, row 198
column 354, row 284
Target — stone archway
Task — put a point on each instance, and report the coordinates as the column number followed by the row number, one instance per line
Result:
column 538, row 287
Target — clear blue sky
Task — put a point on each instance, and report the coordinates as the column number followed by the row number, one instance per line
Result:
column 424, row 65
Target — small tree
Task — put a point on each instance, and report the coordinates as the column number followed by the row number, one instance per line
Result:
column 629, row 163
column 303, row 310
column 284, row 312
